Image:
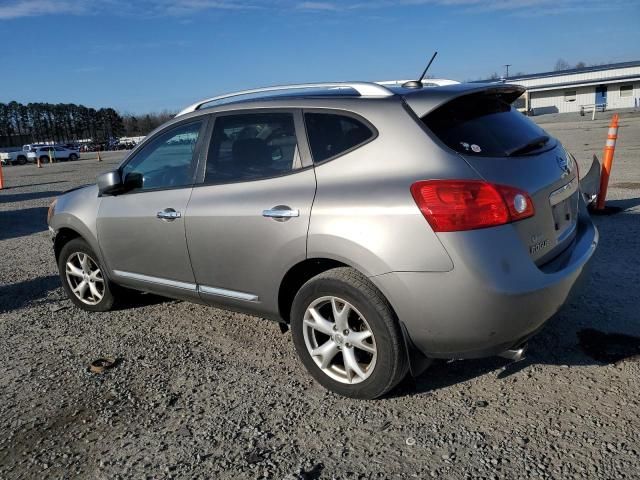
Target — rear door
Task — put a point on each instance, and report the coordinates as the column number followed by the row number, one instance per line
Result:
column 61, row 153
column 247, row 223
column 506, row 148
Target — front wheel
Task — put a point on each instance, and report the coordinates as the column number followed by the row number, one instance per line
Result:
column 83, row 277
column 73, row 157
column 347, row 336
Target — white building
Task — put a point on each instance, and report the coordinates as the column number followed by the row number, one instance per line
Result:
column 607, row 86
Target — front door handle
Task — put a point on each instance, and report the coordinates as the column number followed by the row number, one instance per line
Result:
column 281, row 212
column 168, row 214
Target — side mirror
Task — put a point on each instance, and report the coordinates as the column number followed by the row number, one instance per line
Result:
column 132, row 181
column 109, row 183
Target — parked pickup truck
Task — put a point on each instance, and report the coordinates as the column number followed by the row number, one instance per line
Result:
column 13, row 156
column 55, row 152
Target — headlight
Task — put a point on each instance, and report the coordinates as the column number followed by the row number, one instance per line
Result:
column 51, row 211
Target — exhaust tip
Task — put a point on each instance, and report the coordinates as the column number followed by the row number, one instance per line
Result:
column 515, row 354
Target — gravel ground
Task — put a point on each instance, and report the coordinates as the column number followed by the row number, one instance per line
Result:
column 203, row 393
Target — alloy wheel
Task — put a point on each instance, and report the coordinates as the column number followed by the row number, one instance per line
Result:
column 85, row 278
column 339, row 340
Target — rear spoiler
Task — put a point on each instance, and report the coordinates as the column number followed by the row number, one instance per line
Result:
column 425, row 101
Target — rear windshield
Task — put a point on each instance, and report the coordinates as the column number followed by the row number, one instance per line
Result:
column 485, row 125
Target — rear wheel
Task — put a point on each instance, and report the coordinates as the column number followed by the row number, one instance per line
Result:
column 22, row 160
column 73, row 157
column 83, row 277
column 44, row 159
column 346, row 334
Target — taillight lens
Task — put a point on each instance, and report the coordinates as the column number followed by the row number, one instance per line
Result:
column 455, row 205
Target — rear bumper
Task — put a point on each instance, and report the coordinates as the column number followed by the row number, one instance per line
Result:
column 493, row 299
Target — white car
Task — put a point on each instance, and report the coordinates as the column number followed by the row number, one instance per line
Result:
column 13, row 156
column 53, row 152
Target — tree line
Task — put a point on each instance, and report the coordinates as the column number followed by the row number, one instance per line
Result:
column 562, row 64
column 68, row 122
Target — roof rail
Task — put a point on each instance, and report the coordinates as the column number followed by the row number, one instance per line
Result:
column 429, row 82
column 364, row 89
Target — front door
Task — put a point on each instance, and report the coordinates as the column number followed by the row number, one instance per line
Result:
column 141, row 233
column 601, row 95
column 247, row 223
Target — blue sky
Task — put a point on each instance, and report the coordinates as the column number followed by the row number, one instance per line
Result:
column 151, row 55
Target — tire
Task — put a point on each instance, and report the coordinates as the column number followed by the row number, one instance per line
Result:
column 74, row 252
column 380, row 359
column 22, row 160
column 73, row 157
column 44, row 159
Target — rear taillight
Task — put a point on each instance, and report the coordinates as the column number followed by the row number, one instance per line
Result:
column 455, row 205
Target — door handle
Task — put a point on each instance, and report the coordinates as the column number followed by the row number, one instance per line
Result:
column 168, row 214
column 281, row 212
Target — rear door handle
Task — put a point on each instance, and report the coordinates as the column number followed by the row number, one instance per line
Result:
column 168, row 214
column 281, row 212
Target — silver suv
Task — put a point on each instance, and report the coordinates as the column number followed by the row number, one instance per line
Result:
column 386, row 225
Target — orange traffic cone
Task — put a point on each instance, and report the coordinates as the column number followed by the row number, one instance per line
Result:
column 607, row 163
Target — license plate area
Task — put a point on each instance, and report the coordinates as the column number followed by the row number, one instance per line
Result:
column 565, row 215
column 564, row 206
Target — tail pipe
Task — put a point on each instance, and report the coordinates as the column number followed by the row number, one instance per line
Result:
column 515, row 354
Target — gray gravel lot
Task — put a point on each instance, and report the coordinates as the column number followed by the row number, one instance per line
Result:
column 203, row 393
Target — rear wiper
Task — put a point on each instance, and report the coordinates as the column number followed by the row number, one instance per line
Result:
column 540, row 141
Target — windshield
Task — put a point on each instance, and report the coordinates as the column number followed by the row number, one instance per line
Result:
column 485, row 125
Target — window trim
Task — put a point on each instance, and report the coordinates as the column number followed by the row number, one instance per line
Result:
column 345, row 113
column 161, row 131
column 303, row 148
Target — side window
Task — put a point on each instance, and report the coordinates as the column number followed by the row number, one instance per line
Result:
column 332, row 134
column 168, row 161
column 251, row 146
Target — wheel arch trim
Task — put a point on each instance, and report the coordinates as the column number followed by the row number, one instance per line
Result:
column 65, row 223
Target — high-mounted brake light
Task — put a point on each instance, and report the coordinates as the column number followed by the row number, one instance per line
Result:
column 456, row 205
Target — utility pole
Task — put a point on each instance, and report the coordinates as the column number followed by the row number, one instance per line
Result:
column 507, row 67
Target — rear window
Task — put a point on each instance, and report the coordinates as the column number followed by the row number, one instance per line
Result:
column 482, row 125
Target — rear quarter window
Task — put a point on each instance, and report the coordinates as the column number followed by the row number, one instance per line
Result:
column 481, row 125
column 334, row 134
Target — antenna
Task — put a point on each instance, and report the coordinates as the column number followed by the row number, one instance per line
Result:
column 418, row 83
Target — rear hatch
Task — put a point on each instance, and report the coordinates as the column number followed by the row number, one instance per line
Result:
column 507, row 148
